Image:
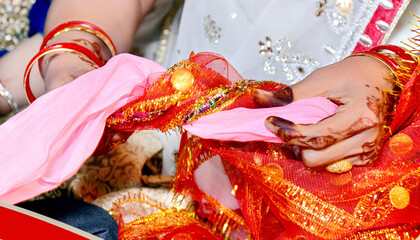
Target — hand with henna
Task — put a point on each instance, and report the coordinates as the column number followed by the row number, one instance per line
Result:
column 61, row 68
column 355, row 131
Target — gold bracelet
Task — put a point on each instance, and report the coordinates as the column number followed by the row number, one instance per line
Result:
column 391, row 66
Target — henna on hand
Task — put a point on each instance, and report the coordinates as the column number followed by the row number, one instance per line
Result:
column 319, row 142
column 95, row 46
column 358, row 126
column 357, row 86
column 288, row 132
column 283, row 128
column 273, row 99
column 370, row 151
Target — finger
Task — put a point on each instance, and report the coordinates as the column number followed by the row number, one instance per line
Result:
column 340, row 126
column 316, row 84
column 360, row 149
column 273, row 99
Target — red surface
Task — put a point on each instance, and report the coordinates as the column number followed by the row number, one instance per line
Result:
column 17, row 225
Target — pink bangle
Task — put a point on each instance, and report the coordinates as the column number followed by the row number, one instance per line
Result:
column 68, row 47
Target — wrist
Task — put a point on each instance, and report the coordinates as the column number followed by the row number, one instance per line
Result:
column 373, row 70
column 63, row 68
column 379, row 73
column 400, row 62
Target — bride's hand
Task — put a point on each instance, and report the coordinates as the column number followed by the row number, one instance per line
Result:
column 63, row 68
column 354, row 132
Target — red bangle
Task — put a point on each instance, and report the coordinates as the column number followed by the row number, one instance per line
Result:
column 81, row 26
column 68, row 47
column 401, row 52
column 394, row 66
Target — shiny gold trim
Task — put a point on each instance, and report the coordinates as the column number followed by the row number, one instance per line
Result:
column 402, row 232
column 317, row 216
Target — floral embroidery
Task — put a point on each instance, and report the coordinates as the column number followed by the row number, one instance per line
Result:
column 295, row 66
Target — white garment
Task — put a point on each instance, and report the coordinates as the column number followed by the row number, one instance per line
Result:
column 239, row 25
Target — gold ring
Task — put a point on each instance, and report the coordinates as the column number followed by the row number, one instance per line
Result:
column 341, row 166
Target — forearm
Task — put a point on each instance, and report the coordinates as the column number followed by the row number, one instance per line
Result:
column 12, row 67
column 118, row 19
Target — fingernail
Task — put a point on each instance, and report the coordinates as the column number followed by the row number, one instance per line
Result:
column 273, row 99
column 283, row 128
column 285, row 95
column 336, row 101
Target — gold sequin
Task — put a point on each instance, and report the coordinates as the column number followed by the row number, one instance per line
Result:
column 274, row 169
column 258, row 160
column 234, row 189
column 401, row 144
column 399, row 197
column 182, row 79
column 340, row 166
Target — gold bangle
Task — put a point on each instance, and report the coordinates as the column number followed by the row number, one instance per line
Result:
column 341, row 166
column 366, row 54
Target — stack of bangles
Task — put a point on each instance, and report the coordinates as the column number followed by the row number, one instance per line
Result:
column 398, row 60
column 66, row 47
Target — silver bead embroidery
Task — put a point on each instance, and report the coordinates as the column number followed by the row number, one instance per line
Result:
column 211, row 30
column 349, row 22
column 14, row 22
column 338, row 23
column 294, row 66
column 339, row 15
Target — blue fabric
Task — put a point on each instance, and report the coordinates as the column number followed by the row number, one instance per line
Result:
column 2, row 52
column 37, row 16
column 82, row 215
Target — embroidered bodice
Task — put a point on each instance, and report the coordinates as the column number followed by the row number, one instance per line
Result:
column 282, row 41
